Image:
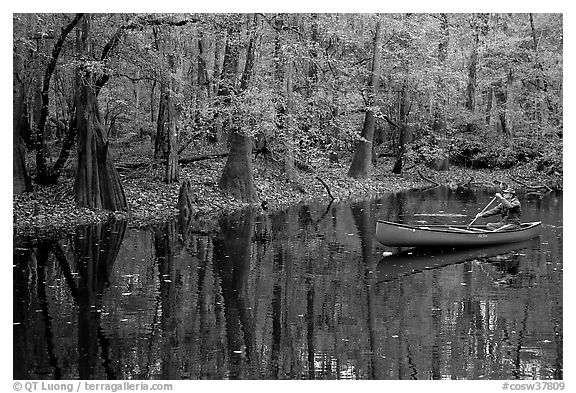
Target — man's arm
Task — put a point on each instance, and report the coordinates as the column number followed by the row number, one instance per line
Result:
column 492, row 212
column 503, row 201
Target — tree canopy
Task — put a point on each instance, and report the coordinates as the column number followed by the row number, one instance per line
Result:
column 496, row 80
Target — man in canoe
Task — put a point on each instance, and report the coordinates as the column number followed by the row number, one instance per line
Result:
column 509, row 208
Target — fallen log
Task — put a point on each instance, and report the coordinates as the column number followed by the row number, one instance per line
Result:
column 188, row 160
column 532, row 187
column 182, row 161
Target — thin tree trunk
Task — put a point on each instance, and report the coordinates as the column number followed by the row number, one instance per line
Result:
column 219, row 57
column 172, row 169
column 361, row 166
column 289, row 169
column 539, row 106
column 439, row 125
column 285, row 112
column 136, row 85
column 43, row 98
column 401, row 148
column 500, row 94
column 472, row 65
column 489, row 94
column 163, row 121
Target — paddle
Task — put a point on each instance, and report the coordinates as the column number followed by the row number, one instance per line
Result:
column 483, row 210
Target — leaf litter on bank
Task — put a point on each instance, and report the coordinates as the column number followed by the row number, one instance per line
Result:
column 50, row 210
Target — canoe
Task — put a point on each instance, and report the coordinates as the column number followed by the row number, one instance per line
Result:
column 416, row 260
column 433, row 235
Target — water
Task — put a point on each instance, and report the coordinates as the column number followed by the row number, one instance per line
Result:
column 306, row 293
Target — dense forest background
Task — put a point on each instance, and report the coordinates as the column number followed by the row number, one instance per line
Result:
column 472, row 90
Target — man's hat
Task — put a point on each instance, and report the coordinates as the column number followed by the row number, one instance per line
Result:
column 509, row 190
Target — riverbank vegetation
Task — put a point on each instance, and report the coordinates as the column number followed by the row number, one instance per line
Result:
column 113, row 113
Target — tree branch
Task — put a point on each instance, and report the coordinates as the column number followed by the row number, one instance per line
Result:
column 136, row 23
column 428, row 179
column 325, row 186
column 39, row 142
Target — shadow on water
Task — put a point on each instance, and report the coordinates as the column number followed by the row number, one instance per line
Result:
column 303, row 293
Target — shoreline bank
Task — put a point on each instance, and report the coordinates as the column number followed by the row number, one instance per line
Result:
column 51, row 211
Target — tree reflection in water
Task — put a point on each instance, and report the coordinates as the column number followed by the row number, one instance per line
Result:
column 95, row 251
column 297, row 294
column 232, row 255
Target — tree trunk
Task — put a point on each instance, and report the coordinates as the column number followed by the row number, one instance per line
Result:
column 219, row 55
column 439, row 125
column 162, row 122
column 20, row 179
column 289, row 169
column 42, row 103
column 97, row 182
column 172, row 169
column 237, row 176
column 285, row 112
column 541, row 94
column 361, row 166
column 166, row 140
column 471, row 89
column 500, row 94
column 401, row 149
column 480, row 29
column 489, row 95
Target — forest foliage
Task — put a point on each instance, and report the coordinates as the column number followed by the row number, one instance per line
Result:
column 479, row 90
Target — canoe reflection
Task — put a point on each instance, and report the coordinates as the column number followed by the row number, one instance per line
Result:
column 415, row 260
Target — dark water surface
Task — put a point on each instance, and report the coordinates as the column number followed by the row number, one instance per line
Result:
column 306, row 293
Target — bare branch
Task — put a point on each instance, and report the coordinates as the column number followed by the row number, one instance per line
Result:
column 428, row 179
